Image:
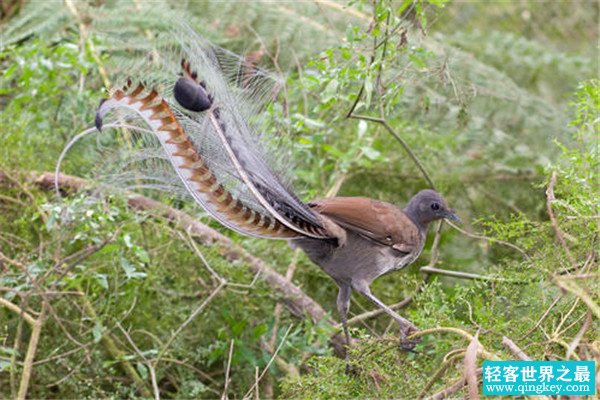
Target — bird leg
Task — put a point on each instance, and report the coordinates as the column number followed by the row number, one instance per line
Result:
column 406, row 327
column 343, row 305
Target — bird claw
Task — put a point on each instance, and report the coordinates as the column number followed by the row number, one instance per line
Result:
column 408, row 344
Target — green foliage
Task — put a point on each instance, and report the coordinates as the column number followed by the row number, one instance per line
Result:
column 481, row 100
column 495, row 309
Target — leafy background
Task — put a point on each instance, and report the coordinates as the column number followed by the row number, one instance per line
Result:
column 491, row 99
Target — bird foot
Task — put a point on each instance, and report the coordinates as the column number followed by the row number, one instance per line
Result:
column 409, row 344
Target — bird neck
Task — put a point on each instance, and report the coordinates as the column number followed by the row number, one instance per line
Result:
column 412, row 212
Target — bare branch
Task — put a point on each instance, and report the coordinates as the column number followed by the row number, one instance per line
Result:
column 143, row 357
column 517, row 352
column 18, row 310
column 464, row 275
column 270, row 361
column 470, row 368
column 586, row 325
column 226, row 386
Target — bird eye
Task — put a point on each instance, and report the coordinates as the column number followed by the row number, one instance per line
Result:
column 435, row 206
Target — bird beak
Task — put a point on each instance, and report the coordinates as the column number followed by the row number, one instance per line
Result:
column 453, row 217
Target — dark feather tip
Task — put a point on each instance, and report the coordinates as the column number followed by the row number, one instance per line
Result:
column 98, row 120
column 191, row 96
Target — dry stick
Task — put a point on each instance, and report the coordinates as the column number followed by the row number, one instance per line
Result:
column 293, row 297
column 192, row 316
column 448, row 361
column 586, row 325
column 143, row 357
column 470, row 367
column 18, row 310
column 559, row 234
column 491, row 240
column 450, row 390
column 289, row 273
column 90, row 43
column 36, row 331
column 436, row 244
column 226, row 386
column 464, row 275
column 574, row 288
column 404, row 145
column 516, row 350
column 520, row 354
column 543, row 317
column 256, row 394
column 270, row 361
column 564, row 318
column 15, row 351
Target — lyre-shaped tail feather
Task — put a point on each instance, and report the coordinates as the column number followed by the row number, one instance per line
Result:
column 250, row 168
column 192, row 169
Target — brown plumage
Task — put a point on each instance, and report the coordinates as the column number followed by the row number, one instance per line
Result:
column 354, row 240
column 377, row 238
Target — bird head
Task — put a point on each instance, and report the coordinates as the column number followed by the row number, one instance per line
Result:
column 428, row 206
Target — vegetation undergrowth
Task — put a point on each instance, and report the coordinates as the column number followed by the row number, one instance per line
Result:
column 500, row 112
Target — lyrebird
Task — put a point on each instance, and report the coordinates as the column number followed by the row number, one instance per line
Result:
column 202, row 119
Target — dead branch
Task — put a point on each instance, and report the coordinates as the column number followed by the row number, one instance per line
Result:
column 146, row 361
column 227, row 371
column 283, row 339
column 297, row 302
column 470, row 368
column 464, row 275
column 34, row 339
column 575, row 343
column 448, row 391
column 18, row 310
column 516, row 350
column 543, row 317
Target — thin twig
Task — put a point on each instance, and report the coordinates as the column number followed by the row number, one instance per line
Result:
column 192, row 316
column 436, row 244
column 574, row 288
column 448, row 361
column 586, row 325
column 227, row 370
column 449, row 390
column 457, row 331
column 270, row 361
column 543, row 317
column 489, row 239
column 146, row 361
column 402, row 142
column 465, row 275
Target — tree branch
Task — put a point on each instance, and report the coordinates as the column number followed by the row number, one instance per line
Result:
column 297, row 302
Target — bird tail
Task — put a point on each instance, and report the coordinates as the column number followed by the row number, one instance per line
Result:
column 203, row 123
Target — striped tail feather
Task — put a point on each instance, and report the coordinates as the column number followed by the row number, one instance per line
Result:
column 192, row 168
column 249, row 167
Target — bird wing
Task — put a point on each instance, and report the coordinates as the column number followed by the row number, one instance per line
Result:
column 378, row 221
